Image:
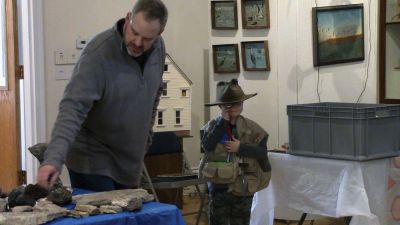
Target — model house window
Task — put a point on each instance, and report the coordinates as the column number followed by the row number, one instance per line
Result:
column 160, row 118
column 165, row 86
column 177, row 117
column 184, row 93
column 166, row 68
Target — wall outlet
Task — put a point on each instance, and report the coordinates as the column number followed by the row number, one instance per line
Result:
column 81, row 42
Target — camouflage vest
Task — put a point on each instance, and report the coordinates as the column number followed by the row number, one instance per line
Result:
column 249, row 133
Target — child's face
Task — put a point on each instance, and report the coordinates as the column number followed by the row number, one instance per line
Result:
column 233, row 109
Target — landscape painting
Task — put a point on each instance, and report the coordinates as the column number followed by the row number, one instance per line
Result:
column 338, row 34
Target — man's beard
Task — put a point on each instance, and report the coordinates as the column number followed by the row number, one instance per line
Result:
column 131, row 53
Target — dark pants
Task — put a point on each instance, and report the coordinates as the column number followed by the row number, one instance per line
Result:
column 94, row 182
column 226, row 208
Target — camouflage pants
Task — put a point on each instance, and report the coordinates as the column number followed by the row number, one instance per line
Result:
column 226, row 208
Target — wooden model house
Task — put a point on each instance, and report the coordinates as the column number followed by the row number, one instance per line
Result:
column 174, row 109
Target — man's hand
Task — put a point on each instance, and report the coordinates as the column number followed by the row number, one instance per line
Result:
column 232, row 146
column 47, row 176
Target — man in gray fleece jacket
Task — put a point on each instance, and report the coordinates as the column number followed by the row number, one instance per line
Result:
column 105, row 119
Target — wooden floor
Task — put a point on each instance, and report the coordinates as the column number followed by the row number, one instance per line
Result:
column 191, row 205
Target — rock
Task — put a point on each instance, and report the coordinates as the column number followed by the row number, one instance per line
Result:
column 92, row 210
column 119, row 195
column 134, row 204
column 35, row 192
column 22, row 218
column 77, row 214
column 110, row 209
column 51, row 210
column 18, row 198
column 24, row 208
column 38, row 151
column 3, row 204
column 100, row 202
column 60, row 195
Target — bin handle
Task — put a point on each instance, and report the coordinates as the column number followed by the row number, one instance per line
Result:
column 382, row 113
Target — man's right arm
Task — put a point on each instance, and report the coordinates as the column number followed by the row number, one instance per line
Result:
column 85, row 87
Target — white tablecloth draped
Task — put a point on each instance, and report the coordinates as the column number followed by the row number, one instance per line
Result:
column 327, row 187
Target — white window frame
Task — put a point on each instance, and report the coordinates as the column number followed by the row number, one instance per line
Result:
column 180, row 110
column 162, row 111
column 187, row 92
column 166, row 84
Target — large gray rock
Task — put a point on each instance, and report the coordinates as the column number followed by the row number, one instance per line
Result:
column 128, row 199
column 43, row 212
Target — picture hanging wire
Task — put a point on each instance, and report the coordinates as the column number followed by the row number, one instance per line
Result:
column 369, row 53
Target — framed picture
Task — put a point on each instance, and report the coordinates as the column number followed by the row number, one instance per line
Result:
column 226, row 58
column 255, row 14
column 338, row 33
column 255, row 56
column 224, row 15
column 392, row 11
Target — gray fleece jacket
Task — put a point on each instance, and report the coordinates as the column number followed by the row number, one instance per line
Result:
column 107, row 111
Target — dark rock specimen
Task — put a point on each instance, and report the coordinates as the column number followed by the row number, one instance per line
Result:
column 59, row 195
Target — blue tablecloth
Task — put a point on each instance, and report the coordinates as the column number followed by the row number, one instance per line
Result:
column 152, row 213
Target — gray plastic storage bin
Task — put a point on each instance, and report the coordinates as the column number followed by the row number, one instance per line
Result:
column 344, row 130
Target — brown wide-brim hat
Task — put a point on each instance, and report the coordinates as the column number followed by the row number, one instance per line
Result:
column 229, row 92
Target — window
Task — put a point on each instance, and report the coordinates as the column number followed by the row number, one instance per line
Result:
column 165, row 88
column 160, row 118
column 184, row 93
column 177, row 117
column 165, row 67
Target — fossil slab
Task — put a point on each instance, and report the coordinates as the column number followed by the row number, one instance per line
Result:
column 128, row 199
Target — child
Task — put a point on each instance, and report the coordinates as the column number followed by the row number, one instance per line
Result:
column 232, row 136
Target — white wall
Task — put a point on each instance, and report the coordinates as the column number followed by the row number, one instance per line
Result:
column 293, row 78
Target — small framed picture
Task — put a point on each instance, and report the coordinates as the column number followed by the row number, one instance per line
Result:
column 255, row 14
column 338, row 33
column 224, row 15
column 226, row 58
column 392, row 11
column 255, row 56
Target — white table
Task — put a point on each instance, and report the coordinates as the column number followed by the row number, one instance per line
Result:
column 327, row 187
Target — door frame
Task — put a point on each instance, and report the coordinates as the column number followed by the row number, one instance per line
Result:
column 34, row 80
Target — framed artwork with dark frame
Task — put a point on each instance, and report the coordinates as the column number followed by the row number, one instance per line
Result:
column 255, row 14
column 338, row 33
column 392, row 11
column 224, row 15
column 226, row 58
column 255, row 56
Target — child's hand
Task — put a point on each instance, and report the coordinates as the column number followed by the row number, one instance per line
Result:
column 225, row 114
column 232, row 146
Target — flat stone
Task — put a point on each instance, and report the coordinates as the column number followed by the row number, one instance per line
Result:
column 117, row 195
column 3, row 204
column 110, row 209
column 24, row 208
column 92, row 210
column 77, row 214
column 22, row 218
